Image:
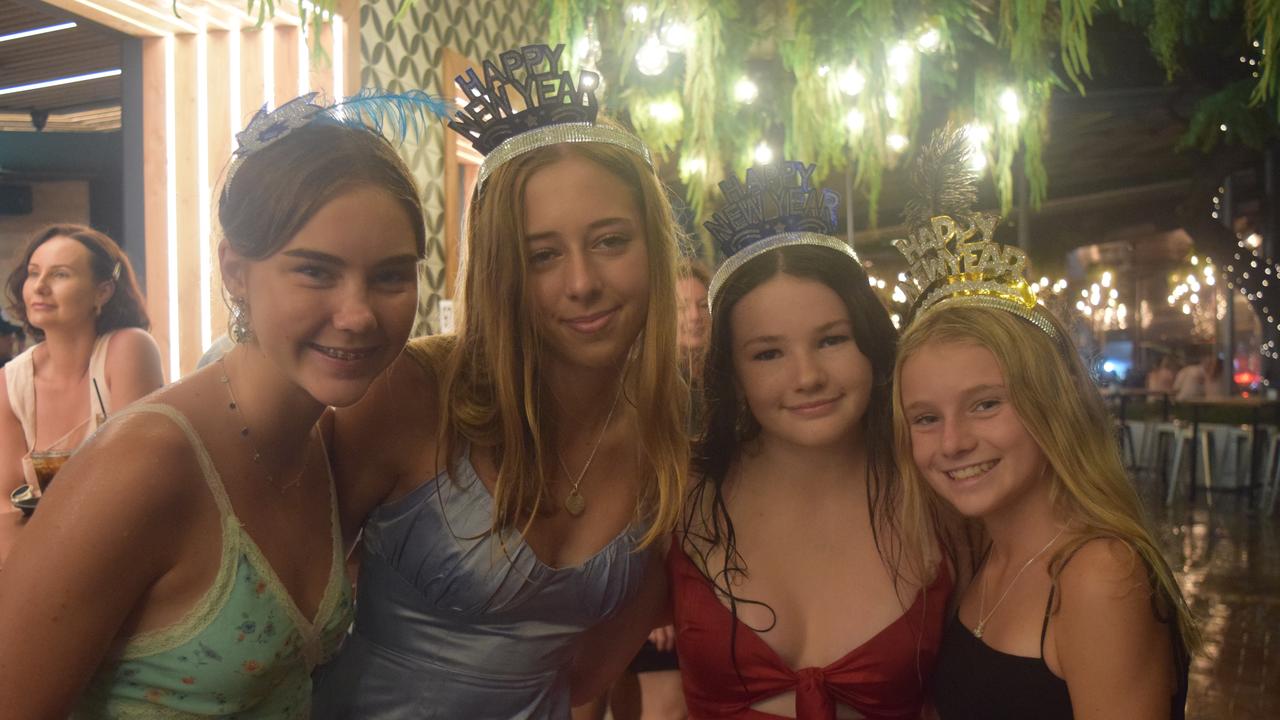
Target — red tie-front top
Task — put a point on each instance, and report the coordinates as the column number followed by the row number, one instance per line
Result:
column 884, row 678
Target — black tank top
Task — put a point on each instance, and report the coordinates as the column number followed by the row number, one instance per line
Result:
column 973, row 680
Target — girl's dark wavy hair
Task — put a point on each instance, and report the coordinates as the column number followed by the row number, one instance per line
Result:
column 728, row 425
column 107, row 262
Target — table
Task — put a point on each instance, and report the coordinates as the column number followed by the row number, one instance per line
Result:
column 11, row 521
column 1233, row 410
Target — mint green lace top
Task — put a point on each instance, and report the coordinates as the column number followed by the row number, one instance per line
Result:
column 244, row 650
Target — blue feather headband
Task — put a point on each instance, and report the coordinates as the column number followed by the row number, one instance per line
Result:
column 397, row 114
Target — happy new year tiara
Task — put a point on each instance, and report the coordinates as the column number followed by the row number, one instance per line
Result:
column 778, row 207
column 372, row 110
column 953, row 257
column 556, row 110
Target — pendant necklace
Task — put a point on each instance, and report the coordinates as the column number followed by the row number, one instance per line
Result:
column 983, row 615
column 574, row 503
column 234, row 406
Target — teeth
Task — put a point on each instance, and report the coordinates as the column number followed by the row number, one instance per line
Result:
column 339, row 354
column 971, row 471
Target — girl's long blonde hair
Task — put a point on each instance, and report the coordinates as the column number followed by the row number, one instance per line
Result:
column 491, row 382
column 1062, row 410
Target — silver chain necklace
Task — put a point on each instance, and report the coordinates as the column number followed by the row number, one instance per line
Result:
column 983, row 615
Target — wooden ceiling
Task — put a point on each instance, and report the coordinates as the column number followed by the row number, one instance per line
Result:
column 79, row 50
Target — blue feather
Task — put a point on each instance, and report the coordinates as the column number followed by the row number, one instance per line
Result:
column 401, row 113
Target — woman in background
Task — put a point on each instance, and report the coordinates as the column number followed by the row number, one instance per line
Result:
column 75, row 293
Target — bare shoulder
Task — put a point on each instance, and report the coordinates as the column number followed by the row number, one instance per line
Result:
column 1103, row 572
column 380, row 441
column 400, row 402
column 133, row 483
column 1106, row 608
column 131, row 341
column 133, row 365
column 112, row 505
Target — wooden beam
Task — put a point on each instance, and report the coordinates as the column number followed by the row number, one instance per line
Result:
column 155, row 191
column 186, row 163
column 220, row 134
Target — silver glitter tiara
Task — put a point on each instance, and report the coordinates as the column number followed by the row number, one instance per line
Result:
column 571, row 132
column 773, row 243
column 777, row 207
column 555, row 108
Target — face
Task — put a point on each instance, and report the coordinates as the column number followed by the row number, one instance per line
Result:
column 334, row 306
column 60, row 289
column 966, row 437
column 588, row 264
column 693, row 317
column 796, row 361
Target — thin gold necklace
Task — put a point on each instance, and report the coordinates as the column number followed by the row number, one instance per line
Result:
column 983, row 615
column 245, row 433
column 574, row 502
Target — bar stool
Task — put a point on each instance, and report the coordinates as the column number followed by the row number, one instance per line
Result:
column 1184, row 438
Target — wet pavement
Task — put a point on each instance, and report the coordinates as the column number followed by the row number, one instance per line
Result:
column 1227, row 557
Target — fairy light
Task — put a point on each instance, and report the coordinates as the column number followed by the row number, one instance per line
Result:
column 763, row 154
column 745, row 90
column 652, row 57
column 900, row 60
column 1010, row 106
column 929, row 40
column 677, row 36
column 855, row 121
column 852, row 81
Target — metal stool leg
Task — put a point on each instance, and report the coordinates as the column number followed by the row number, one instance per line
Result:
column 1206, row 459
column 1173, row 475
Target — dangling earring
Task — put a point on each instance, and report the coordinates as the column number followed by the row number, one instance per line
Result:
column 238, row 326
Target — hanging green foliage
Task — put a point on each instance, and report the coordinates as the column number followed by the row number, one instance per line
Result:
column 840, row 82
column 1165, row 32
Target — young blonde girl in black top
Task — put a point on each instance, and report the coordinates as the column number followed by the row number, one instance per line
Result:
column 1071, row 611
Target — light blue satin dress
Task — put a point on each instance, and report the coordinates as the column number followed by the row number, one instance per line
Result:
column 449, row 624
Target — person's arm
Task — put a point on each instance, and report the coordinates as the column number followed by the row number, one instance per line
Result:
column 1115, row 656
column 606, row 649
column 378, row 441
column 13, row 444
column 102, row 536
column 133, row 367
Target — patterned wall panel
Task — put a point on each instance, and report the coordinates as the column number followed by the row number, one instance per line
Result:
column 407, row 54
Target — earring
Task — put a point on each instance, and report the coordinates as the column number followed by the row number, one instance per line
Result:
column 238, row 327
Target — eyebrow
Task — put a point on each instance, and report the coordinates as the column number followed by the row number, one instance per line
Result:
column 966, row 393
column 596, row 225
column 64, row 266
column 778, row 338
column 317, row 256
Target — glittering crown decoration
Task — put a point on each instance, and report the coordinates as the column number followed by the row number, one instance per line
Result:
column 951, row 249
column 397, row 113
column 553, row 109
column 778, row 206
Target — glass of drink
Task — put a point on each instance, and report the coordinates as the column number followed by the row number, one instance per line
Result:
column 46, row 464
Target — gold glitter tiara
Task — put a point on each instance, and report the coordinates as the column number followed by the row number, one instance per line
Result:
column 556, row 109
column 953, row 256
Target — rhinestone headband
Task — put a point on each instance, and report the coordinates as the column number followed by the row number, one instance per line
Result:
column 751, row 252
column 574, row 132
